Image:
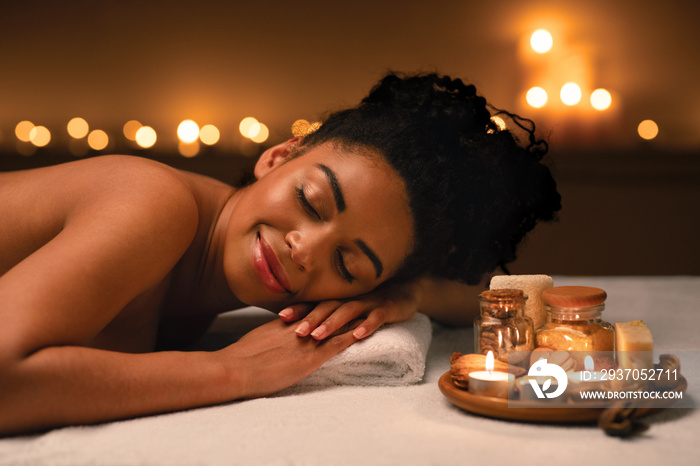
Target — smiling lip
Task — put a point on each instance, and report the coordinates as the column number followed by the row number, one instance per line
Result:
column 268, row 267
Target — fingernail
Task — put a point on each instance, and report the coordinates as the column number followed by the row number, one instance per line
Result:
column 286, row 313
column 359, row 332
column 319, row 332
column 302, row 329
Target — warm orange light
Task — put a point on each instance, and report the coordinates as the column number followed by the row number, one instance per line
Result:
column 262, row 134
column 77, row 128
column 489, row 364
column 188, row 131
column 209, row 134
column 536, row 97
column 40, row 136
column 570, row 94
column 130, row 129
column 648, row 129
column 249, row 127
column 146, row 137
column 188, row 149
column 541, row 41
column 601, row 99
column 23, row 129
column 97, row 139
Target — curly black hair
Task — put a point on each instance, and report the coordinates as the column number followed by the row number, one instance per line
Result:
column 474, row 189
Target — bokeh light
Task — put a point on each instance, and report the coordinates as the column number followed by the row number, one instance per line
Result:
column 146, row 137
column 570, row 94
column 188, row 131
column 40, row 136
column 601, row 99
column 209, row 135
column 249, row 127
column 77, row 128
column 130, row 129
column 261, row 135
column 23, row 129
column 188, row 149
column 536, row 97
column 648, row 129
column 541, row 41
column 97, row 139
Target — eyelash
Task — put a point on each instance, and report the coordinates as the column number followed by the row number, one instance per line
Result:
column 309, row 209
column 341, row 268
column 306, row 204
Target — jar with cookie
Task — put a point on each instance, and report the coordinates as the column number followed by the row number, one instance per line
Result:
column 502, row 328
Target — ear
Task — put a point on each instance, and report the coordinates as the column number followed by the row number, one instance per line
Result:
column 275, row 156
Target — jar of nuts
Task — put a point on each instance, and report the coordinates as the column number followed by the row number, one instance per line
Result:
column 574, row 323
column 502, row 327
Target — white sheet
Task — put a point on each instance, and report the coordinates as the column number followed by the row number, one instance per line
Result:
column 347, row 425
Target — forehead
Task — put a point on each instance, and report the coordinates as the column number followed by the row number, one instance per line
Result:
column 376, row 202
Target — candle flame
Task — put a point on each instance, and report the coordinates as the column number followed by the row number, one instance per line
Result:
column 489, row 361
column 588, row 363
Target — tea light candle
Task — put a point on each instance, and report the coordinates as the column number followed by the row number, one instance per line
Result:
column 489, row 382
column 586, row 380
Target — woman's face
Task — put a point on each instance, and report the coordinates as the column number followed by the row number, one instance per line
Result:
column 323, row 225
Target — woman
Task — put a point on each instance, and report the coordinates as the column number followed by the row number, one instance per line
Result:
column 362, row 222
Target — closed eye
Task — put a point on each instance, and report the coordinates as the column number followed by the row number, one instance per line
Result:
column 301, row 196
column 340, row 263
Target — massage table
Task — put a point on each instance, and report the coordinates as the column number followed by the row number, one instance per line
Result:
column 387, row 425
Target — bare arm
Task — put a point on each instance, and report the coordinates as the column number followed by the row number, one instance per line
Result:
column 64, row 385
column 449, row 302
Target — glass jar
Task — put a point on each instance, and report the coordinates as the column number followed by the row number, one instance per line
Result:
column 574, row 323
column 502, row 327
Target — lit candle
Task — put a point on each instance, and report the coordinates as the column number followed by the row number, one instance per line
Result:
column 585, row 380
column 489, row 382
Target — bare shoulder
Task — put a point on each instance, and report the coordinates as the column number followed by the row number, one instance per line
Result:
column 102, row 196
column 69, row 188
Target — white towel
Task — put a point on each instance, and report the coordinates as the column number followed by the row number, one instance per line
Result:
column 394, row 355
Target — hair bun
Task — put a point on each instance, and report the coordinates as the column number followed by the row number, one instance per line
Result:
column 439, row 100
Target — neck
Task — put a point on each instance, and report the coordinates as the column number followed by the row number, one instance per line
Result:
column 216, row 293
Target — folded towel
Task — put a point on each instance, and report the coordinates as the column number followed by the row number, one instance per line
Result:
column 394, row 355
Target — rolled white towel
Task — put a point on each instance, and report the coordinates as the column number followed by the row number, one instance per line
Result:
column 394, row 355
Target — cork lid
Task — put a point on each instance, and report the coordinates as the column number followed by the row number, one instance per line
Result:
column 574, row 296
column 504, row 294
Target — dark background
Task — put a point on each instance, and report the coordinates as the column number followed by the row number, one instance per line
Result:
column 630, row 206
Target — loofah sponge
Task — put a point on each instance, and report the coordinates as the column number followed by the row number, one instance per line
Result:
column 533, row 286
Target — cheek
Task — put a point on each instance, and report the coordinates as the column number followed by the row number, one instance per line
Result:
column 273, row 203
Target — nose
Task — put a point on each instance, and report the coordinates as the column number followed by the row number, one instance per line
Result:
column 305, row 247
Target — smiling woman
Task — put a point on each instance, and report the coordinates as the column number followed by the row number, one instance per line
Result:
column 367, row 219
column 319, row 227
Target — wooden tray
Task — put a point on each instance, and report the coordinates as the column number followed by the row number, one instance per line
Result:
column 559, row 413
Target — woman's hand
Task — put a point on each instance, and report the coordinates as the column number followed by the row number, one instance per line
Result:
column 391, row 303
column 272, row 357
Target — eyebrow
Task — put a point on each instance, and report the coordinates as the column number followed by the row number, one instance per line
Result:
column 372, row 256
column 335, row 186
